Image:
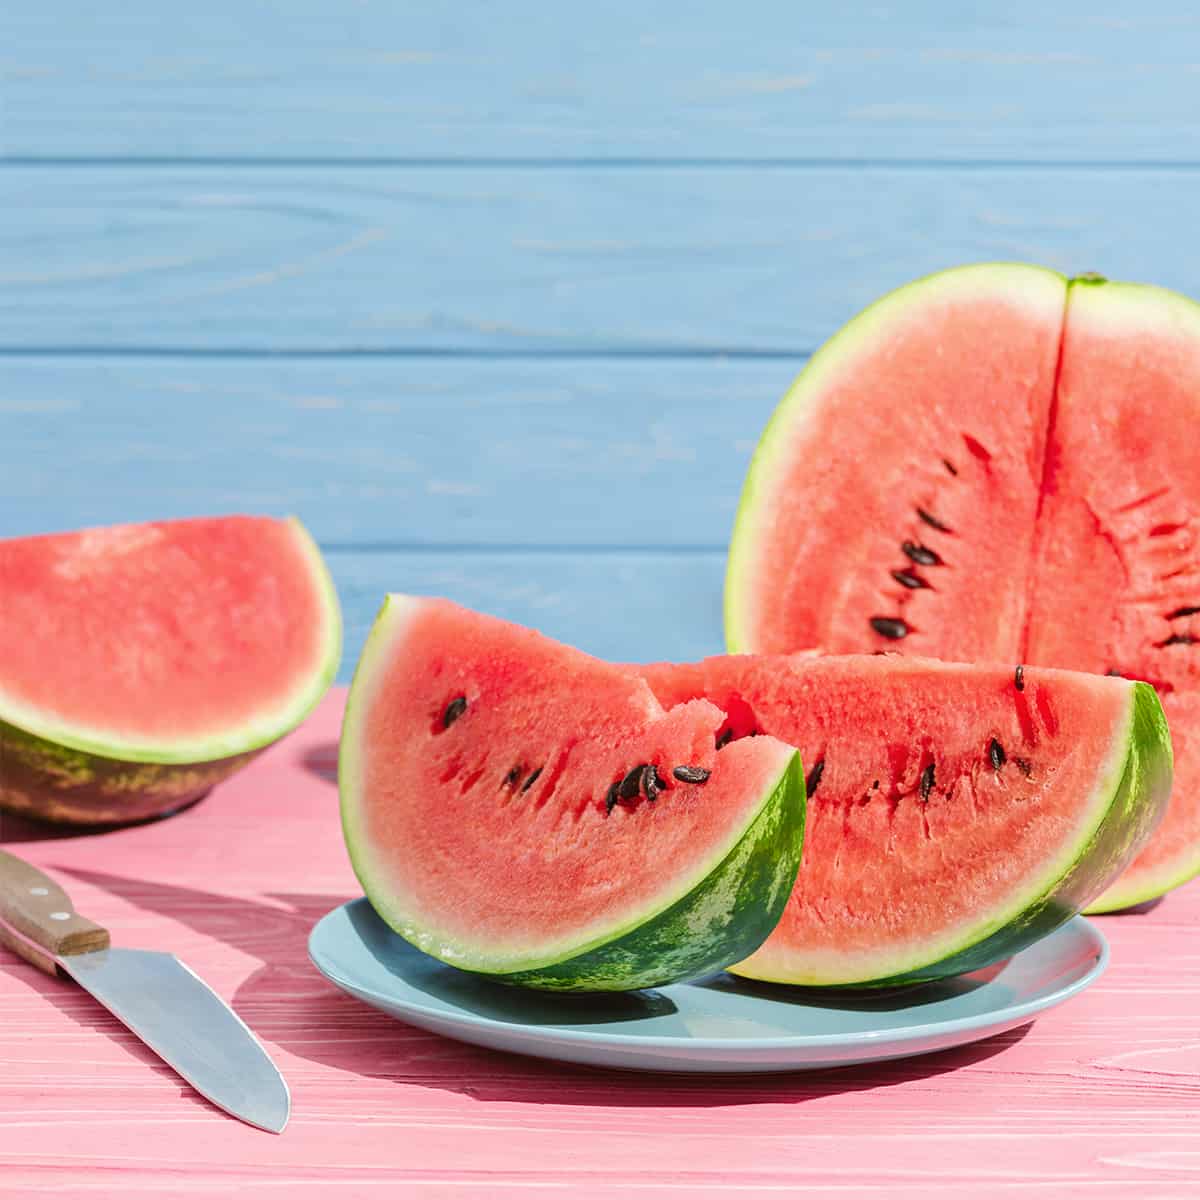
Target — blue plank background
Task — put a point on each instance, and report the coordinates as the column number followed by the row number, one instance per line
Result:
column 497, row 298
column 709, row 260
column 1077, row 80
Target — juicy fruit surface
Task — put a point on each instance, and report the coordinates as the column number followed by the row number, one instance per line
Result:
column 1064, row 518
column 903, row 450
column 497, row 810
column 953, row 816
column 173, row 641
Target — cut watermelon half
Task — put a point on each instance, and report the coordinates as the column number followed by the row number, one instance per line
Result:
column 956, row 813
column 992, row 464
column 141, row 664
column 516, row 808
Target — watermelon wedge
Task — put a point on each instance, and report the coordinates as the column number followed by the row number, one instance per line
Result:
column 142, row 664
column 956, row 813
column 516, row 808
column 994, row 464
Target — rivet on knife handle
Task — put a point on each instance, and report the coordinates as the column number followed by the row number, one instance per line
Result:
column 35, row 906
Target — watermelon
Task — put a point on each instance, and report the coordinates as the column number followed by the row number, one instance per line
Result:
column 994, row 464
column 516, row 808
column 142, row 664
column 956, row 813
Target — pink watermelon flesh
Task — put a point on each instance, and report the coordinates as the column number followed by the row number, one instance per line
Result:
column 945, row 804
column 1117, row 580
column 478, row 763
column 988, row 465
column 172, row 641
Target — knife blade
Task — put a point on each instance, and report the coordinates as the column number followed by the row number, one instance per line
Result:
column 170, row 1008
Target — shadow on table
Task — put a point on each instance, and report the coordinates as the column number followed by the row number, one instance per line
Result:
column 287, row 1003
column 322, row 761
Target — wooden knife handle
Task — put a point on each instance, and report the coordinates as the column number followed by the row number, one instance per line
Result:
column 41, row 912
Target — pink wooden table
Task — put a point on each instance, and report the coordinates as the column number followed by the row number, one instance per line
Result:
column 1101, row 1098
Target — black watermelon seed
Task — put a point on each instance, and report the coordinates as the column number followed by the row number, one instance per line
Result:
column 610, row 798
column 725, row 738
column 691, row 774
column 1019, row 679
column 651, row 784
column 996, row 754
column 932, row 521
column 889, row 627
column 1113, row 672
column 454, row 710
column 1178, row 639
column 922, row 555
column 927, row 782
column 1188, row 610
column 510, row 780
column 949, row 466
column 814, row 776
column 531, row 780
column 631, row 784
column 1024, row 767
column 875, row 786
column 909, row 579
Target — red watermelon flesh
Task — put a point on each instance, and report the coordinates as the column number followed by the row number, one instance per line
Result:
column 993, row 465
column 868, row 490
column 142, row 664
column 167, row 641
column 480, row 772
column 955, row 813
column 1117, row 575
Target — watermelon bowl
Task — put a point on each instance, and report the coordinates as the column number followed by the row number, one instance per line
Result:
column 520, row 811
column 995, row 463
column 140, row 665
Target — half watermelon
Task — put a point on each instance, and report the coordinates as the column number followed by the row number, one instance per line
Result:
column 956, row 813
column 994, row 464
column 142, row 664
column 516, row 808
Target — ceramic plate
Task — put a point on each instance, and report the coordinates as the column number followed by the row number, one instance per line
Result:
column 718, row 1023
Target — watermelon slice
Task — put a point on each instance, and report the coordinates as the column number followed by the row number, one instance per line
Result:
column 142, row 664
column 955, row 813
column 516, row 808
column 992, row 464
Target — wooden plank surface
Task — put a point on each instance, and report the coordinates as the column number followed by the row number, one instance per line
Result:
column 1071, row 81
column 1096, row 1099
column 421, row 453
column 505, row 260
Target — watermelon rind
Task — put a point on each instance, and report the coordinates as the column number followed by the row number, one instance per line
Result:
column 1128, row 802
column 1042, row 286
column 718, row 912
column 59, row 783
column 38, row 734
column 724, row 918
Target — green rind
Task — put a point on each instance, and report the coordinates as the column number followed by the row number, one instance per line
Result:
column 234, row 743
column 721, row 920
column 844, row 342
column 58, row 783
column 1137, row 801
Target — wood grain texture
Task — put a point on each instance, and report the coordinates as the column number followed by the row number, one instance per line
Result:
column 1095, row 1099
column 1076, row 80
column 629, row 605
column 451, row 453
column 500, row 260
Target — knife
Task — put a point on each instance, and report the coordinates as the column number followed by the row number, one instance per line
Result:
column 171, row 1009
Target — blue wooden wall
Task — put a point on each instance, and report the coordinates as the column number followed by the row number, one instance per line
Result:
column 497, row 297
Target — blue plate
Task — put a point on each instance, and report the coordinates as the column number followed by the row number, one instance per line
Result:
column 718, row 1023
